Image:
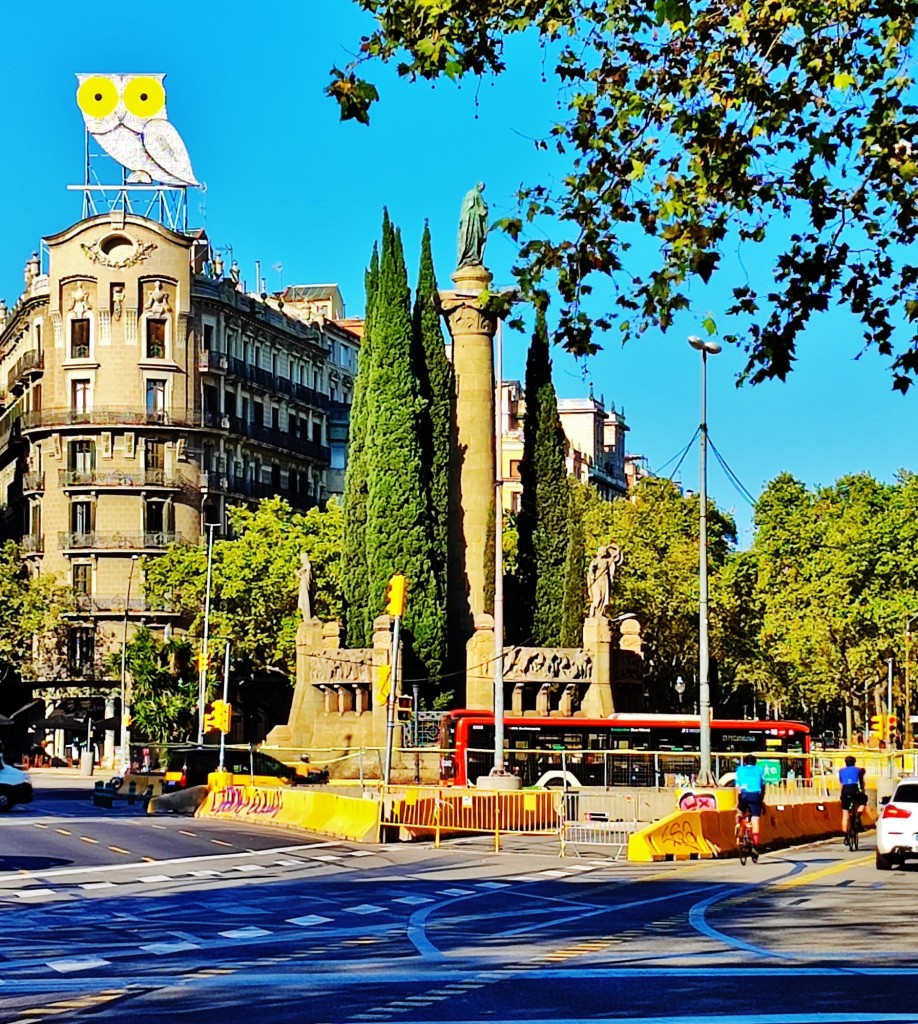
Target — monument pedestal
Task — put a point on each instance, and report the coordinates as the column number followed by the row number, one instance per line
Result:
column 597, row 640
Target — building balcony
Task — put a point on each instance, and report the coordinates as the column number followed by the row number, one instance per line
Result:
column 32, row 544
column 237, row 485
column 155, row 541
column 33, row 482
column 29, row 366
column 114, row 604
column 143, row 478
column 213, row 361
column 41, row 419
column 269, row 436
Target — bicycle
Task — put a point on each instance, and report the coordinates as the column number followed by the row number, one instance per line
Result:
column 854, row 829
column 744, row 843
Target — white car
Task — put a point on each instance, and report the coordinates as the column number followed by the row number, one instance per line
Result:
column 897, row 826
column 15, row 786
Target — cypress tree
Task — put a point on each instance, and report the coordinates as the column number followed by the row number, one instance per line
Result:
column 543, row 520
column 434, row 376
column 575, row 589
column 355, row 583
column 397, row 526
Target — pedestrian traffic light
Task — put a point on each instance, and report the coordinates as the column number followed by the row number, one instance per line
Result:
column 210, row 720
column 404, row 707
column 395, row 596
column 878, row 726
column 892, row 725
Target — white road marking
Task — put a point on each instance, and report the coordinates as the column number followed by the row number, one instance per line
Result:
column 305, row 922
column 67, row 966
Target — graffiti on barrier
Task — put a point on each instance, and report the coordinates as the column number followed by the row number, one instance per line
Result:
column 682, row 837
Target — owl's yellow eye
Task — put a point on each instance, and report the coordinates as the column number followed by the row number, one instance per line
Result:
column 144, row 96
column 97, row 96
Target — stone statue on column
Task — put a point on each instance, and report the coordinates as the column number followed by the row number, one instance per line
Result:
column 473, row 228
column 599, row 578
column 304, row 599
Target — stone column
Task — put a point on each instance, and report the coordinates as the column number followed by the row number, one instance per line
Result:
column 473, row 474
column 479, row 675
column 597, row 640
column 307, row 702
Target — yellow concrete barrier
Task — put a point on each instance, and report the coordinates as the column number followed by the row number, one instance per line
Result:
column 689, row 835
column 331, row 814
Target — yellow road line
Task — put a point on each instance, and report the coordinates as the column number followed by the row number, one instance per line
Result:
column 63, row 832
column 87, row 839
column 220, row 842
column 812, row 876
column 117, row 849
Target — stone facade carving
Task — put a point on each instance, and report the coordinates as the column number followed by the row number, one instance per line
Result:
column 141, row 251
column 547, row 664
column 341, row 666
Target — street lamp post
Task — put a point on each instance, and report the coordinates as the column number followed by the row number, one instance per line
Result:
column 704, row 777
column 908, row 683
column 202, row 668
column 125, row 757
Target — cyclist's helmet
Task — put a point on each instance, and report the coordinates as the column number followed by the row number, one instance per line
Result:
column 850, row 761
column 749, row 759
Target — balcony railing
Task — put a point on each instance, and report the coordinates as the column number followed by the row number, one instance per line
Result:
column 30, row 364
column 255, row 489
column 105, row 417
column 46, row 418
column 115, row 603
column 94, row 478
column 33, row 482
column 32, row 543
column 117, row 541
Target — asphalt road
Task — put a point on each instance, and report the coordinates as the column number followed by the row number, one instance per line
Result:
column 116, row 916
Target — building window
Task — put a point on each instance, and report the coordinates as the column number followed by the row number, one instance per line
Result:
column 317, row 433
column 156, row 399
column 79, row 339
column 156, row 517
column 80, row 396
column 81, row 460
column 275, row 418
column 514, row 469
column 81, row 650
column 156, row 339
column 82, row 577
column 81, row 517
column 208, row 337
column 154, row 454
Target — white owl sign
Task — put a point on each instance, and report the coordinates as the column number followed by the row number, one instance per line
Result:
column 126, row 115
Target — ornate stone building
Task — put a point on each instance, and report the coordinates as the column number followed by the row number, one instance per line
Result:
column 142, row 392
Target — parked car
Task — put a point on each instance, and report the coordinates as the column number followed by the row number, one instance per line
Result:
column 190, row 766
column 15, row 786
column 897, row 826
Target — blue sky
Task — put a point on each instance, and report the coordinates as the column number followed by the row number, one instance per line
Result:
column 288, row 184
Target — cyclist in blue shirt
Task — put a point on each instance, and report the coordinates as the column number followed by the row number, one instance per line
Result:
column 852, row 790
column 750, row 789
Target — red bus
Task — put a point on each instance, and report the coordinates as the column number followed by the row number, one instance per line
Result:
column 621, row 750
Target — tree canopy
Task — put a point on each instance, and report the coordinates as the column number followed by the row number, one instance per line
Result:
column 698, row 138
column 254, row 583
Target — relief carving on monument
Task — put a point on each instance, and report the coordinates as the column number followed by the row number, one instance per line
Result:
column 341, row 666
column 547, row 664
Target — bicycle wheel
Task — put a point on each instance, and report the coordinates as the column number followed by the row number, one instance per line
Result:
column 743, row 853
column 855, row 832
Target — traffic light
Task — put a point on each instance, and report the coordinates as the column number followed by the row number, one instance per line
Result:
column 892, row 725
column 219, row 717
column 404, row 708
column 223, row 714
column 383, row 683
column 878, row 726
column 395, row 596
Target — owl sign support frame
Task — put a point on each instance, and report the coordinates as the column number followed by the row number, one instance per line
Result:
column 125, row 115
